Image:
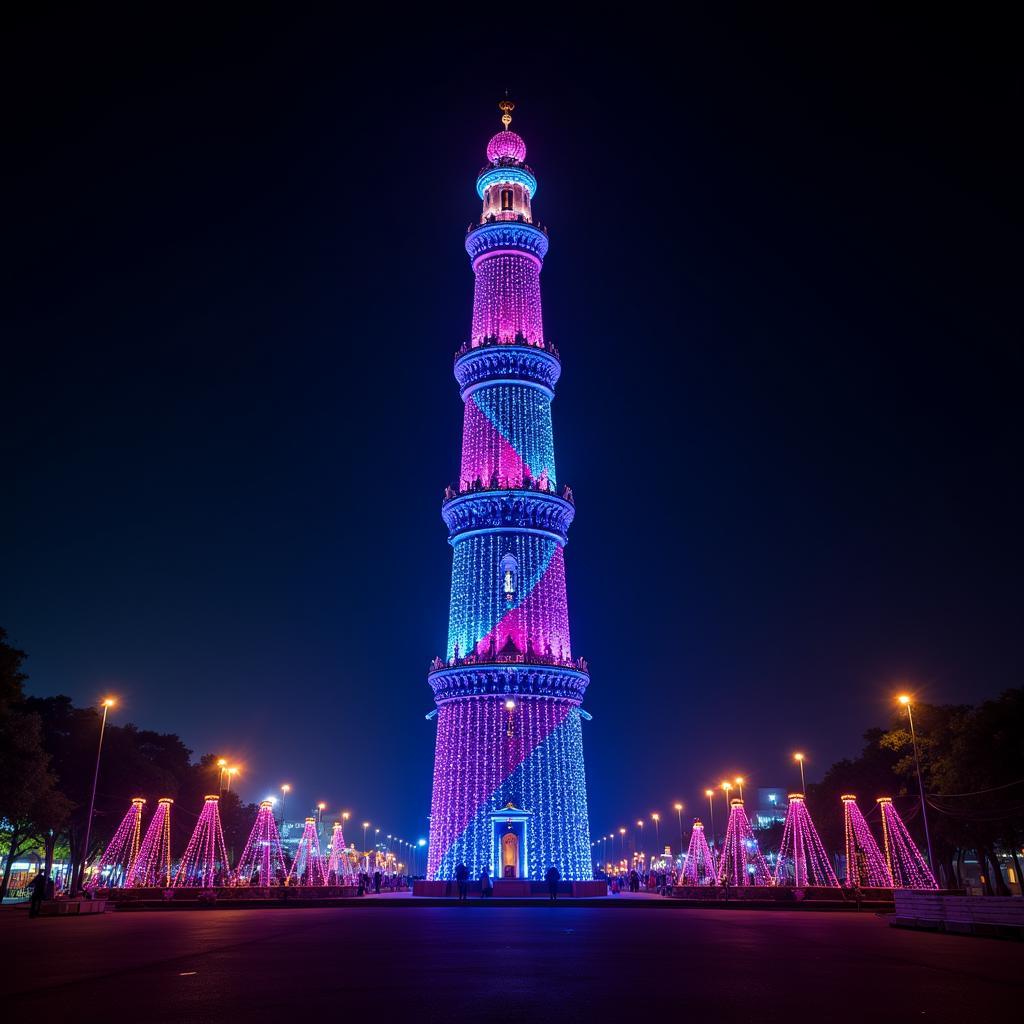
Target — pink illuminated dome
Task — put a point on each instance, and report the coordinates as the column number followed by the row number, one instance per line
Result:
column 506, row 145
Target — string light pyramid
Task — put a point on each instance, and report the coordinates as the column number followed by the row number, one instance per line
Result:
column 206, row 859
column 700, row 867
column 262, row 860
column 802, row 857
column 116, row 863
column 741, row 862
column 339, row 868
column 152, row 866
column 308, row 866
column 865, row 863
column 906, row 865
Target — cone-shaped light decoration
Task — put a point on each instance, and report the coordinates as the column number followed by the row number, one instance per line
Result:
column 700, row 867
column 122, row 850
column 802, row 857
column 262, row 861
column 865, row 862
column 339, row 867
column 308, row 866
column 906, row 865
column 206, row 860
column 741, row 862
column 152, row 866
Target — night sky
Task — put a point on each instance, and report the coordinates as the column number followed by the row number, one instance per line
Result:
column 781, row 268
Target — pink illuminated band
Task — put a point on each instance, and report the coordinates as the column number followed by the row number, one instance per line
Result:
column 526, row 254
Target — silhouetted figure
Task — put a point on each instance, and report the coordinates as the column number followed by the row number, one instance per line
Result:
column 376, row 882
column 462, row 877
column 553, row 877
column 38, row 888
column 486, row 889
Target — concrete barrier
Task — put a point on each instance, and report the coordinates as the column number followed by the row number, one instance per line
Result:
column 60, row 908
column 992, row 916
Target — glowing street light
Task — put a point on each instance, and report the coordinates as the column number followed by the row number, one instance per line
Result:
column 710, row 794
column 107, row 703
column 904, row 699
column 222, row 765
column 622, row 842
column 799, row 758
column 679, row 815
column 233, row 771
column 739, row 782
column 285, row 790
column 657, row 833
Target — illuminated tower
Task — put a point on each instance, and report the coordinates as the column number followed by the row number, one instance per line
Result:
column 122, row 851
column 509, row 787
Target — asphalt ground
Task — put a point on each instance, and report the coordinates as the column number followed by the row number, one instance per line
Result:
column 492, row 963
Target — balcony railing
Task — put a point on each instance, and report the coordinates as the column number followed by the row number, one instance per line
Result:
column 514, row 339
column 494, row 658
column 496, row 483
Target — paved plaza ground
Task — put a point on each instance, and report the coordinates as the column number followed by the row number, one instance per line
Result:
column 492, row 963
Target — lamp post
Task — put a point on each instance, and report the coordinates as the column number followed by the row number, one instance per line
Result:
column 107, row 704
column 285, row 790
column 657, row 834
column 222, row 765
column 231, row 773
column 905, row 701
column 679, row 815
column 622, row 844
column 739, row 782
column 640, row 825
column 710, row 794
column 799, row 758
column 366, row 853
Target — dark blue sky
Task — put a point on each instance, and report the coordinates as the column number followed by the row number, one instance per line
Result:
column 782, row 259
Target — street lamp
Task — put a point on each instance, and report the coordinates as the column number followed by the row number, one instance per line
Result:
column 366, row 853
column 640, row 824
column 231, row 773
column 657, row 834
column 679, row 815
column 905, row 701
column 285, row 790
column 222, row 764
column 106, row 704
column 710, row 794
column 739, row 782
column 799, row 758
column 622, row 843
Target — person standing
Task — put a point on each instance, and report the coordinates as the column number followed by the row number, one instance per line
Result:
column 376, row 882
column 553, row 877
column 462, row 877
column 38, row 888
column 485, row 884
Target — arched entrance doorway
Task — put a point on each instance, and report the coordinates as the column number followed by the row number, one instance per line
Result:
column 510, row 855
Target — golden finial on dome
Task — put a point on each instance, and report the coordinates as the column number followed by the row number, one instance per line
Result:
column 506, row 106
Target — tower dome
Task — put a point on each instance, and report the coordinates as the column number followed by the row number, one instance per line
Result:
column 506, row 145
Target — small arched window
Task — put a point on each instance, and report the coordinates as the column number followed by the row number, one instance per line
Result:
column 506, row 199
column 509, row 578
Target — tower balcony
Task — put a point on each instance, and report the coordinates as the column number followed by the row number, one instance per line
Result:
column 518, row 340
column 507, row 236
column 507, row 676
column 493, row 361
column 491, row 508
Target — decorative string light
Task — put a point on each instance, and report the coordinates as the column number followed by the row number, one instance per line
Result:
column 152, row 866
column 865, row 863
column 206, row 860
column 339, row 866
column 308, row 866
column 906, row 865
column 700, row 867
column 741, row 862
column 262, row 861
column 122, row 851
column 802, row 857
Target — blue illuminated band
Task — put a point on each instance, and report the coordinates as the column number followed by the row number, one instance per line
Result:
column 508, row 511
column 556, row 682
column 506, row 236
column 506, row 176
column 543, row 389
column 518, row 364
